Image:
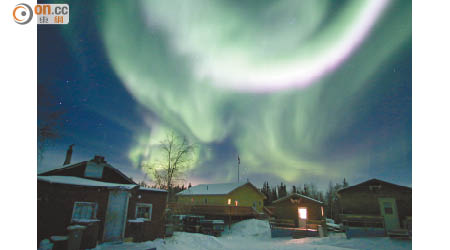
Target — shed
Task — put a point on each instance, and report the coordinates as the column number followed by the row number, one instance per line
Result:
column 300, row 209
column 95, row 192
column 376, row 203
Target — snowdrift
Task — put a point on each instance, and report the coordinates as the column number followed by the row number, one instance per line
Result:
column 255, row 234
column 249, row 228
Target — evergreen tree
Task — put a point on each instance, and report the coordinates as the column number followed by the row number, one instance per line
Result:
column 282, row 190
column 294, row 189
column 344, row 183
column 336, row 203
column 274, row 195
column 266, row 191
column 329, row 200
column 306, row 190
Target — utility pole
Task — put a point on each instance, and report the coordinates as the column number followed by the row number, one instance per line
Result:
column 239, row 162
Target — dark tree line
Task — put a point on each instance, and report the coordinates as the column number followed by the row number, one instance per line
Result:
column 329, row 198
column 332, row 202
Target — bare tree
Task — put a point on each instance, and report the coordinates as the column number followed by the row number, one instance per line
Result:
column 49, row 120
column 177, row 156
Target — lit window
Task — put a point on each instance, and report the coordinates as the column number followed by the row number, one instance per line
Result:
column 302, row 213
column 144, row 211
column 84, row 211
column 321, row 208
column 229, row 201
column 236, row 203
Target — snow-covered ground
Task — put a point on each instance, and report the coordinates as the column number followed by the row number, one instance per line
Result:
column 255, row 234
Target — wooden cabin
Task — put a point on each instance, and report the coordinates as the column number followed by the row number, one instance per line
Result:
column 95, row 194
column 380, row 206
column 233, row 199
column 301, row 211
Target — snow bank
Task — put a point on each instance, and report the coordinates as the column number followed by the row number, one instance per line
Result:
column 255, row 234
column 368, row 243
column 249, row 228
column 182, row 241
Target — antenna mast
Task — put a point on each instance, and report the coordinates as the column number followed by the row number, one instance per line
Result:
column 239, row 162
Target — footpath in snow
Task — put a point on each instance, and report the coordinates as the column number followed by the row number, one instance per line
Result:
column 255, row 234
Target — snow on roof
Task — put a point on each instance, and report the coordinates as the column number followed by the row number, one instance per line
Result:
column 212, row 189
column 298, row 195
column 72, row 180
column 373, row 182
column 152, row 189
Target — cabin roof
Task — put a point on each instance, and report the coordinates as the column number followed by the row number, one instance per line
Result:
column 61, row 171
column 77, row 181
column 295, row 195
column 216, row 189
column 373, row 182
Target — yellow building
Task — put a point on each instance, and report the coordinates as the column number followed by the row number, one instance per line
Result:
column 238, row 197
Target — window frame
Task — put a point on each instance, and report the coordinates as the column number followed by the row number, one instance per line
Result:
column 138, row 205
column 94, row 215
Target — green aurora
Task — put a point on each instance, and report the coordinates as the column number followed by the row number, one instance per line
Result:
column 297, row 88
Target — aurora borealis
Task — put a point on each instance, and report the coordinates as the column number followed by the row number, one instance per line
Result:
column 304, row 91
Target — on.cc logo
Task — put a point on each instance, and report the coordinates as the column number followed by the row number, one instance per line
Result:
column 22, row 13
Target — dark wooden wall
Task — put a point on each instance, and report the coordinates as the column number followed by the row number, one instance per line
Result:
column 365, row 201
column 287, row 210
column 56, row 201
column 154, row 228
column 55, row 206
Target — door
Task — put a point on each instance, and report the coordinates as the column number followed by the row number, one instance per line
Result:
column 116, row 214
column 302, row 217
column 388, row 209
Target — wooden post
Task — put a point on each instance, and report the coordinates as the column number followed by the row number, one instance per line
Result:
column 229, row 218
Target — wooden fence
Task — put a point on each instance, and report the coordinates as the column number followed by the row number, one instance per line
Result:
column 218, row 210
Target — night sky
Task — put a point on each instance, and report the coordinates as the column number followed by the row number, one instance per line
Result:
column 304, row 91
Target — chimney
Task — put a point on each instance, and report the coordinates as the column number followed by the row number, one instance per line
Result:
column 99, row 159
column 68, row 155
